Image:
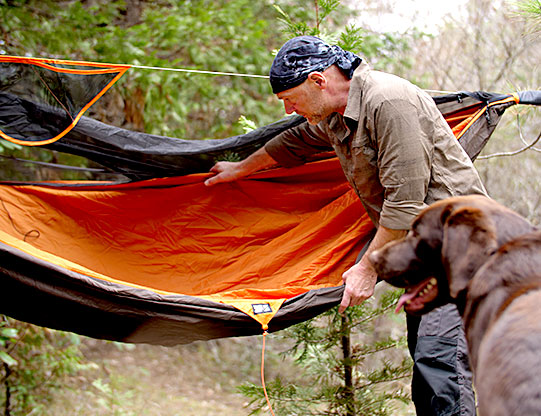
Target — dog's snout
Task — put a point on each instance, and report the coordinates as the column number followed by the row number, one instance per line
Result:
column 374, row 257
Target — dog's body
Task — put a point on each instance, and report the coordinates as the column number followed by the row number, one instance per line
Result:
column 486, row 259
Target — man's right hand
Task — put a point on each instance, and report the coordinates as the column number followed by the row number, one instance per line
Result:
column 225, row 172
column 231, row 171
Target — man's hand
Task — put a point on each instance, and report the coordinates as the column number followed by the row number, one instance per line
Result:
column 360, row 282
column 225, row 172
column 231, row 171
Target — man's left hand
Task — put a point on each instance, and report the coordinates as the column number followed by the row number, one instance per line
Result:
column 360, row 282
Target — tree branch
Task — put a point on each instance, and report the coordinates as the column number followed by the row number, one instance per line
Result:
column 513, row 153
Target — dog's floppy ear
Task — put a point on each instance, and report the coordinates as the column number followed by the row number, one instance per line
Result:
column 469, row 238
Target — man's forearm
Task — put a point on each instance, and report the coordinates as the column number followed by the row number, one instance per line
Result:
column 383, row 236
column 258, row 160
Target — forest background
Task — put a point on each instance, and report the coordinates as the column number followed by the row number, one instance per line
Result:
column 483, row 45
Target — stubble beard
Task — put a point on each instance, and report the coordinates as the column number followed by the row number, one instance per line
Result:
column 317, row 115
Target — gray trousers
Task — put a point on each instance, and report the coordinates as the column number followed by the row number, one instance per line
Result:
column 442, row 381
column 441, row 384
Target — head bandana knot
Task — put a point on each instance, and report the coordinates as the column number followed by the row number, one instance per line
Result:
column 305, row 54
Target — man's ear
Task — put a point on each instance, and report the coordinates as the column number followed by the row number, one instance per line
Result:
column 469, row 238
column 319, row 79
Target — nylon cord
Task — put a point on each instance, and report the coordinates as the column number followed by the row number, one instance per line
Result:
column 234, row 74
column 263, row 373
column 197, row 71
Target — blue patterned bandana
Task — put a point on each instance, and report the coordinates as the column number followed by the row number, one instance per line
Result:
column 305, row 54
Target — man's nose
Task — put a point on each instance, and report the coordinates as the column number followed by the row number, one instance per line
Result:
column 289, row 108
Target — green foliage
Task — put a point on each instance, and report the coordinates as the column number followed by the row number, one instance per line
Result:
column 297, row 23
column 295, row 28
column 352, row 39
column 247, row 125
column 110, row 397
column 228, row 156
column 35, row 362
column 5, row 145
column 531, row 10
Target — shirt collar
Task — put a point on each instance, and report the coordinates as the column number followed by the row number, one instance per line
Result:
column 353, row 107
column 340, row 125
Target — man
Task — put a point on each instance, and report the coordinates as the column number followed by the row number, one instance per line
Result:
column 399, row 155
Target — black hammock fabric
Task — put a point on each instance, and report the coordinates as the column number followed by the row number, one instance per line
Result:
column 68, row 88
column 70, row 252
column 473, row 116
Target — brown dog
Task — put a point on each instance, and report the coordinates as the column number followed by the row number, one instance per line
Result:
column 487, row 259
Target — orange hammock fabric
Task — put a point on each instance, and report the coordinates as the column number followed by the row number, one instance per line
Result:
column 262, row 240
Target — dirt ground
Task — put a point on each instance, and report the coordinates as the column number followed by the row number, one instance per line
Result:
column 199, row 379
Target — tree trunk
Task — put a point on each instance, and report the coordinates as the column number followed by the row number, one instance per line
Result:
column 7, row 405
column 348, row 368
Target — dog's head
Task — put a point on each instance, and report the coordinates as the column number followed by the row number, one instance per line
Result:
column 447, row 243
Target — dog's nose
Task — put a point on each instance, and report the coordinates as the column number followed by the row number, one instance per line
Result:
column 374, row 257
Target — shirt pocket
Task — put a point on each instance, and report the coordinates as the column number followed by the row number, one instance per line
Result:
column 363, row 148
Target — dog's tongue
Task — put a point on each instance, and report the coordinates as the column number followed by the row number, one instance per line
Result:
column 410, row 294
column 403, row 299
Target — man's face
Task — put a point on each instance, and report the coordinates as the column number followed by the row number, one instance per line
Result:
column 306, row 100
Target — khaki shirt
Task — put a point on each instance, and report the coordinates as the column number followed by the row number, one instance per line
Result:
column 396, row 149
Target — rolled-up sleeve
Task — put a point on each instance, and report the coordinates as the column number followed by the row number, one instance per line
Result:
column 294, row 146
column 400, row 215
column 405, row 154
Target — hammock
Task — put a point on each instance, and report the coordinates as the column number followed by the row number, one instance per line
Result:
column 159, row 258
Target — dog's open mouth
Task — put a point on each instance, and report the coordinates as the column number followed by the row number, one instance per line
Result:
column 415, row 298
